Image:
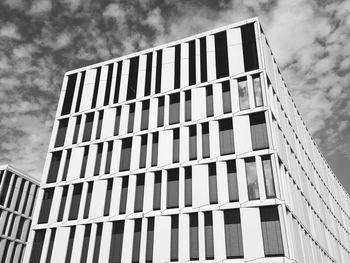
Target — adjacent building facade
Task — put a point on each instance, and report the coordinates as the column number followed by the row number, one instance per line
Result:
column 192, row 151
column 17, row 198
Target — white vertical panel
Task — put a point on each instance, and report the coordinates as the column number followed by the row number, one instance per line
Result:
column 108, row 123
column 131, row 195
column 68, row 203
column 181, row 187
column 115, row 198
column 88, row 90
column 70, row 131
column 137, row 117
column 168, row 71
column 143, row 241
column 198, row 61
column 141, row 76
column 161, row 247
column 103, row 158
column 128, row 240
column 201, row 237
column 124, row 119
column 217, row 99
column 153, row 113
column 211, row 63
column 83, row 200
column 17, row 254
column 62, row 95
column 153, row 78
column 165, row 147
column 117, row 146
column 135, row 153
column 214, row 139
column 236, row 63
column 234, row 36
column 221, row 172
column 184, row 65
column 82, row 128
column 242, row 181
column 56, row 200
column 75, row 163
column 98, row 198
column 78, row 243
column 60, row 245
column 184, row 142
column 101, row 93
column 124, row 80
column 251, row 233
column 90, row 164
column 234, row 95
column 90, row 251
column 241, row 131
column 198, row 103
column 260, row 175
column 219, row 236
column 200, row 180
column 148, row 197
column 105, row 242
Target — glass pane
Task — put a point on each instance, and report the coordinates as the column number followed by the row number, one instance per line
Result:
column 226, row 97
column 173, row 188
column 88, row 200
column 150, row 239
column 115, row 254
column 131, row 117
column 226, row 137
column 209, row 236
column 46, row 205
column 194, row 248
column 125, row 154
column 249, row 47
column 160, row 118
column 157, row 190
column 258, row 131
column 221, row 55
column 74, row 207
column 176, row 145
column 233, row 234
column 143, row 151
column 203, row 59
column 159, row 70
column 132, row 80
column 252, row 179
column 174, row 110
column 54, row 166
column 209, row 101
column 61, row 132
column 188, row 186
column 68, row 97
column 154, row 150
column 136, row 241
column 268, row 177
column 232, row 181
column 108, row 197
column 97, row 243
column 205, row 140
column 193, row 142
column 140, row 185
column 188, row 105
column 88, row 127
column 37, row 246
column 213, row 190
column 243, row 94
column 148, row 74
column 145, row 115
column 86, row 242
column 117, row 82
column 123, row 195
column 99, row 124
column 174, row 242
column 192, row 62
column 257, row 91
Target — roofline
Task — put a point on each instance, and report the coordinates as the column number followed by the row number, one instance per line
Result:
column 186, row 39
column 14, row 170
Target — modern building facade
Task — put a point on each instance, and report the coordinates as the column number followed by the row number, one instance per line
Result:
column 192, row 151
column 17, row 198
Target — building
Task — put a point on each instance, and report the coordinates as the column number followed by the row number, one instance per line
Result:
column 17, row 198
column 189, row 151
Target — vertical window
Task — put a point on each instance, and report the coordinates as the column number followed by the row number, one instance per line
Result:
column 249, row 47
column 194, row 248
column 176, row 145
column 160, row 117
column 115, row 254
column 140, row 188
column 19, row 197
column 74, row 207
column 136, row 241
column 98, row 159
column 257, row 91
column 80, row 92
column 154, row 160
column 243, row 94
column 213, row 189
column 54, row 167
column 271, row 231
column 143, row 151
column 99, row 124
column 5, row 186
column 131, row 117
column 63, row 203
column 159, row 71
column 123, row 194
column 88, row 127
column 109, row 157
column 268, row 177
column 226, row 97
column 177, row 66
column 108, row 84
column 148, row 74
column 209, row 100
column 205, row 140
column 125, row 154
column 188, row 186
column 209, row 235
column 117, row 121
column 66, row 164
column 49, row 249
column 233, row 234
column 203, row 59
column 150, row 239
column 61, row 132
column 96, row 87
column 76, row 130
column 97, row 243
column 258, row 131
column 86, row 242
column 193, row 142
column 132, row 78
column 117, row 82
column 188, row 105
column 68, row 97
column 85, row 157
column 70, row 244
column 108, row 197
column 174, row 239
column 192, row 62
column 221, row 55
column 145, row 115
column 252, row 179
column 88, row 200
column 37, row 246
column 232, row 181
column 226, row 137
column 173, row 188
column 46, row 206
column 174, row 110
column 20, row 228
column 157, row 191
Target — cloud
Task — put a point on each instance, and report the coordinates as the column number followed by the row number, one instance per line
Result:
column 40, row 7
column 10, row 30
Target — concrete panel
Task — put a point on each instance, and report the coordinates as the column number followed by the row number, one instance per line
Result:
column 167, row 77
column 108, row 123
column 236, row 63
column 75, row 163
column 165, row 147
column 98, row 198
column 135, row 153
column 60, row 245
column 217, row 99
column 56, row 201
column 241, row 181
column 70, row 131
column 221, row 171
column 90, row 164
column 86, row 98
column 115, row 198
column 184, row 65
column 198, row 104
column 153, row 111
column 241, row 131
column 161, row 246
column 219, row 236
column 124, row 80
column 105, row 242
column 184, row 142
column 78, row 243
column 101, row 93
column 148, row 197
column 128, row 240
column 211, row 63
column 200, row 179
column 234, row 36
column 214, row 139
column 124, row 119
column 117, row 145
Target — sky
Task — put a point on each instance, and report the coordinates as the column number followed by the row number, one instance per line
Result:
column 42, row 39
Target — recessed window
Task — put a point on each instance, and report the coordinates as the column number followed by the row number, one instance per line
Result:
column 192, row 62
column 125, row 154
column 226, row 97
column 108, row 197
column 46, row 205
column 173, row 188
column 209, row 100
column 63, row 203
column 209, row 235
column 194, row 243
column 257, row 91
column 268, row 177
column 145, row 115
column 115, row 254
column 132, row 78
column 213, row 189
column 188, row 186
column 123, row 194
column 176, row 145
column 205, row 140
column 68, row 97
column 193, row 142
column 174, row 108
column 88, row 200
column 54, row 166
column 148, row 74
column 160, row 116
column 203, row 59
column 96, row 87
column 159, row 71
column 243, row 94
column 174, row 240
column 61, row 132
column 177, row 66
column 154, row 160
column 75, row 203
column 188, row 105
column 143, row 151
column 117, row 82
column 108, row 84
column 117, row 121
column 252, row 179
column 131, row 117
column 88, row 126
column 99, row 124
column 249, row 47
column 232, row 181
column 80, row 92
column 233, row 234
column 221, row 55
column 258, row 131
column 157, row 191
column 150, row 240
column 76, row 130
column 98, row 159
column 109, row 157
column 140, row 188
column 136, row 241
column 226, row 137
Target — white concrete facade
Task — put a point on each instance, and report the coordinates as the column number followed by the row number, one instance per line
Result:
column 190, row 151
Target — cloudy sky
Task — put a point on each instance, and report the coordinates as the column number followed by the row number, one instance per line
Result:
column 42, row 39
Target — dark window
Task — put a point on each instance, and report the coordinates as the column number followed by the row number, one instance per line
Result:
column 68, row 96
column 99, row 124
column 148, row 74
column 108, row 84
column 125, row 154
column 249, row 47
column 46, row 206
column 174, row 240
column 136, row 241
column 159, row 70
column 83, row 165
column 13, row 186
column 213, row 189
column 174, row 108
column 131, row 117
column 203, row 59
column 108, row 197
column 226, row 97
column 80, row 92
column 268, row 177
column 76, row 130
column 209, row 100
column 115, row 253
column 20, row 228
column 98, row 159
column 37, row 246
column 140, row 188
column 271, row 231
column 232, row 181
column 143, row 151
column 123, row 194
column 61, row 132
column 19, row 197
column 257, row 91
column 192, row 62
column 226, row 137
column 157, row 191
column 252, row 179
column 188, row 186
column 5, row 187
column 154, row 160
column 97, row 243
column 173, row 188
column 49, row 250
column 187, row 105
column 32, row 204
column 96, row 87
column 205, row 140
column 243, row 94
column 233, row 234
column 86, row 242
column 150, row 239
column 88, row 200
column 132, row 80
column 74, row 207
column 66, row 164
column 193, row 142
column 63, row 203
column 177, row 66
column 54, row 166
column 194, row 246
column 221, row 55
column 176, row 145
column 160, row 118
column 209, row 235
column 70, row 244
column 109, row 157
column 117, row 121
column 145, row 115
column 117, row 82
column 258, row 131
column 88, row 126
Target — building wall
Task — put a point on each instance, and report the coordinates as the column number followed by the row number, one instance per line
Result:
column 17, row 198
column 182, row 153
